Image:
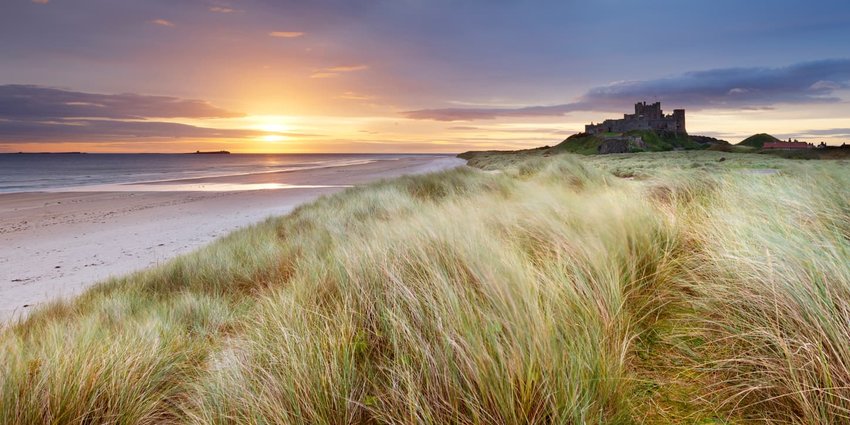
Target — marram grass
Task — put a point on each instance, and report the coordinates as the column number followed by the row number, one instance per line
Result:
column 550, row 291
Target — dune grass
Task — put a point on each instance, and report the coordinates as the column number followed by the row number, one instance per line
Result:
column 542, row 290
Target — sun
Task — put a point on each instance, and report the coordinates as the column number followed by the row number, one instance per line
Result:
column 274, row 126
column 273, row 138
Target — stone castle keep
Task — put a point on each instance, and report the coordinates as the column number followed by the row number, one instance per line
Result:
column 646, row 117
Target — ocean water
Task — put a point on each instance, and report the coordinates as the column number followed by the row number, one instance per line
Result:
column 52, row 172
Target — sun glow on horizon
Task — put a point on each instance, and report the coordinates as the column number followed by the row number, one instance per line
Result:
column 273, row 138
column 274, row 125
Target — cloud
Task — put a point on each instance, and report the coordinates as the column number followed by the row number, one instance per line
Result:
column 726, row 88
column 348, row 68
column 828, row 132
column 471, row 114
column 286, row 34
column 824, row 85
column 221, row 9
column 802, row 83
column 41, row 1
column 350, row 95
column 324, row 75
column 78, row 130
column 82, row 130
column 162, row 22
column 506, row 130
column 36, row 113
column 38, row 102
column 334, row 71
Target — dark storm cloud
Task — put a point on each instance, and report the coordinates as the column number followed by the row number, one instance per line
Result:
column 729, row 88
column 36, row 102
column 809, row 82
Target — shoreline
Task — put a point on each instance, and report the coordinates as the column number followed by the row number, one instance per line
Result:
column 139, row 176
column 57, row 244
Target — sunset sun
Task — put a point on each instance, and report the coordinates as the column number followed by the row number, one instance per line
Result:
column 272, row 138
column 273, row 127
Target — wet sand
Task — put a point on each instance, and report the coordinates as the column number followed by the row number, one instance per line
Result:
column 55, row 245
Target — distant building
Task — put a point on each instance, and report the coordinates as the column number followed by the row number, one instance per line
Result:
column 789, row 145
column 646, row 117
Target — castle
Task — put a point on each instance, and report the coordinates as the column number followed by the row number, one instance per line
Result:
column 646, row 117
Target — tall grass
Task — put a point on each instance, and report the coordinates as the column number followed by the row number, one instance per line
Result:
column 773, row 299
column 548, row 292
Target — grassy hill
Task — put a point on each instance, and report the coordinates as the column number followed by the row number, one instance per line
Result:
column 712, row 141
column 581, row 143
column 665, row 141
column 757, row 141
column 588, row 144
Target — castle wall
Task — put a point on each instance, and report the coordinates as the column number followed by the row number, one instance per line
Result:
column 646, row 117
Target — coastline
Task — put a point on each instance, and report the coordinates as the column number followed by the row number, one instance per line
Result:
column 57, row 244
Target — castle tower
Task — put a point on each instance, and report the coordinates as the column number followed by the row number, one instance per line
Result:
column 679, row 117
column 650, row 112
column 639, row 108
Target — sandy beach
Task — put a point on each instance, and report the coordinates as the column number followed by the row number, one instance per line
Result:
column 57, row 244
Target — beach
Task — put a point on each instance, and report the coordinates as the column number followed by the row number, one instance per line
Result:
column 54, row 245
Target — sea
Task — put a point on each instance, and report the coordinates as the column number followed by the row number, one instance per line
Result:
column 57, row 172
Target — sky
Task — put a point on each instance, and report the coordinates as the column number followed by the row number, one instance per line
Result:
column 410, row 75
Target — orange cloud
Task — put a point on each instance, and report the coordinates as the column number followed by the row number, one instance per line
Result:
column 286, row 34
column 162, row 22
column 349, row 68
column 324, row 75
column 334, row 71
column 350, row 95
column 41, row 1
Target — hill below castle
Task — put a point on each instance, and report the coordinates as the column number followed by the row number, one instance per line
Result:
column 634, row 141
column 628, row 142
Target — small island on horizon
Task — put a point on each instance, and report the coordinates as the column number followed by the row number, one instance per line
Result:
column 211, row 153
column 50, row 153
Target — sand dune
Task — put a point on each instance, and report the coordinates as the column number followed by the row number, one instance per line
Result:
column 57, row 244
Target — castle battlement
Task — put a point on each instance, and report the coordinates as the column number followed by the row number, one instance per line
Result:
column 646, row 117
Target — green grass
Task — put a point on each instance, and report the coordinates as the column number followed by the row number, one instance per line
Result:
column 584, row 144
column 757, row 141
column 656, row 141
column 588, row 144
column 641, row 288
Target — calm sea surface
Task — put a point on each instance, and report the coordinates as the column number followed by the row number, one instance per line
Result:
column 40, row 172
